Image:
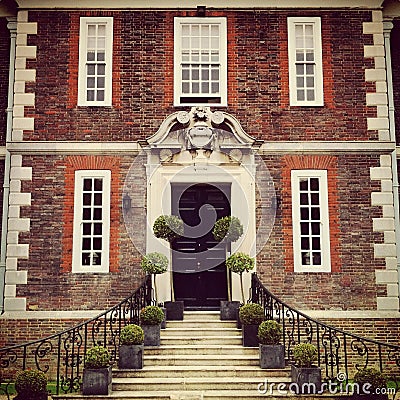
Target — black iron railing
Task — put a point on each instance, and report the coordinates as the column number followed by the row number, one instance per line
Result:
column 62, row 356
column 340, row 354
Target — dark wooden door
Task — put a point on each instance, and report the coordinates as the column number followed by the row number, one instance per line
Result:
column 198, row 260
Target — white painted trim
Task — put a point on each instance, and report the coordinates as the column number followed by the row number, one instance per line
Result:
column 242, row 206
column 167, row 4
column 77, row 238
column 221, row 21
column 318, row 77
column 108, row 22
column 296, row 175
column 75, row 147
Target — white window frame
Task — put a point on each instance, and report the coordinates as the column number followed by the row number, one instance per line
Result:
column 318, row 77
column 223, row 78
column 83, row 44
column 77, row 266
column 325, row 266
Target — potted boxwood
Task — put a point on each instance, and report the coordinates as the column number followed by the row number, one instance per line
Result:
column 367, row 380
column 272, row 353
column 31, row 385
column 97, row 374
column 155, row 264
column 131, row 342
column 227, row 230
column 150, row 320
column 169, row 228
column 305, row 375
column 251, row 315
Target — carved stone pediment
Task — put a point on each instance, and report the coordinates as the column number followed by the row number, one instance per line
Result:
column 202, row 130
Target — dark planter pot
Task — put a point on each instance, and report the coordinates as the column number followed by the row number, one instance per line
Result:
column 31, row 396
column 249, row 335
column 130, row 356
column 272, row 356
column 307, row 380
column 96, row 381
column 164, row 321
column 229, row 310
column 369, row 396
column 174, row 310
column 151, row 335
column 238, row 321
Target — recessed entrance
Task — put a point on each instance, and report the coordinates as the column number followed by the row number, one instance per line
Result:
column 198, row 260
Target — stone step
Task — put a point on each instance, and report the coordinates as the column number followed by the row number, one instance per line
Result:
column 191, row 331
column 192, row 383
column 203, row 324
column 198, row 395
column 208, row 359
column 171, row 340
column 201, row 315
column 202, row 349
column 204, row 371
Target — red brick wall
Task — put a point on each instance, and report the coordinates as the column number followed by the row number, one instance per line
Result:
column 51, row 284
column 395, row 46
column 4, row 67
column 351, row 285
column 258, row 77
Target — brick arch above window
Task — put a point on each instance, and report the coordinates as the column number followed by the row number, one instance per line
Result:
column 301, row 162
column 75, row 163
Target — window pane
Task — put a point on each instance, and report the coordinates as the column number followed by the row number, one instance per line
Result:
column 91, row 69
column 97, row 244
column 86, row 214
column 315, row 228
column 215, row 87
column 304, row 198
column 315, row 199
column 195, row 87
column 86, row 244
column 304, row 228
column 98, row 185
column 205, row 74
column 204, row 87
column 101, row 82
column 195, row 74
column 304, row 213
column 310, row 82
column 90, row 95
column 300, row 82
column 101, row 56
column 299, row 69
column 300, row 95
column 90, row 82
column 101, row 69
column 305, row 258
column 98, row 199
column 316, row 243
column 90, row 56
column 85, row 258
column 303, row 184
column 315, row 214
column 97, row 229
column 314, row 184
column 97, row 214
column 87, row 199
column 86, row 229
column 309, row 69
column 305, row 243
column 317, row 259
column 310, row 95
column 100, row 95
column 101, row 30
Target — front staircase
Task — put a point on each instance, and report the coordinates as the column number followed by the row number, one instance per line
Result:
column 200, row 357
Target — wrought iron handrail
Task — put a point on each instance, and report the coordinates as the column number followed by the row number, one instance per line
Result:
column 61, row 356
column 340, row 353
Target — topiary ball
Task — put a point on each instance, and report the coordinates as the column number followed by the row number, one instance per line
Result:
column 151, row 315
column 154, row 263
column 131, row 335
column 30, row 382
column 97, row 357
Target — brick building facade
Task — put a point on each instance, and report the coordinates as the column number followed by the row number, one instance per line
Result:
column 337, row 133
